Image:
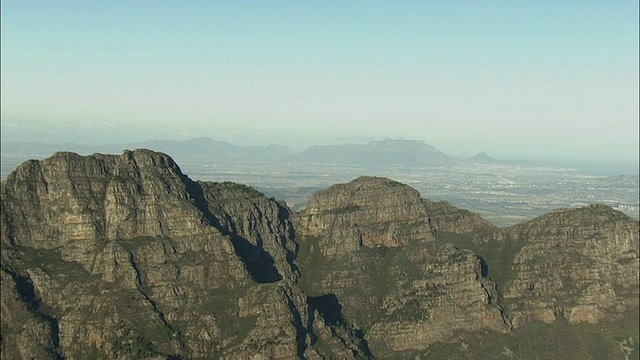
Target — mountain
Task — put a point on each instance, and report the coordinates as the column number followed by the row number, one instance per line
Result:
column 373, row 243
column 581, row 264
column 198, row 149
column 206, row 148
column 385, row 152
column 482, row 158
column 124, row 256
column 204, row 151
column 195, row 153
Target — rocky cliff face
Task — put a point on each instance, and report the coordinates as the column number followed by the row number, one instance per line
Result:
column 580, row 264
column 373, row 244
column 366, row 212
column 446, row 218
column 125, row 257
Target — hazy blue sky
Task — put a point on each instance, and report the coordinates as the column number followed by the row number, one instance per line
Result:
column 536, row 79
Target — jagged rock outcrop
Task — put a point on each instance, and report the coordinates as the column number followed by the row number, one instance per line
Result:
column 125, row 257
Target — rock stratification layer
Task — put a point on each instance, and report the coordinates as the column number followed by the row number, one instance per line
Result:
column 108, row 256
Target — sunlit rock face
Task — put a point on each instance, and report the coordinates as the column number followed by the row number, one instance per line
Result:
column 366, row 212
column 374, row 244
column 107, row 256
column 581, row 264
column 126, row 257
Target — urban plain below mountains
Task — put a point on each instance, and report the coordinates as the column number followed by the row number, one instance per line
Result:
column 125, row 256
column 503, row 192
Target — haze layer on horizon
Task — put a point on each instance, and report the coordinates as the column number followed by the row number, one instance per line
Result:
column 544, row 80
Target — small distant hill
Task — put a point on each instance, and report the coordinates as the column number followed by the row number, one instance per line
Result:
column 383, row 152
column 483, row 158
column 620, row 181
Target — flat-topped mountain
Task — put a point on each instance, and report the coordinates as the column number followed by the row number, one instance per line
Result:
column 124, row 256
column 385, row 152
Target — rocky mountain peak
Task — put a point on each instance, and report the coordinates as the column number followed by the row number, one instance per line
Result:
column 367, row 211
column 107, row 256
column 100, row 197
column 580, row 264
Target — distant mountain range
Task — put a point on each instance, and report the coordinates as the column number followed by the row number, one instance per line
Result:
column 384, row 152
column 182, row 148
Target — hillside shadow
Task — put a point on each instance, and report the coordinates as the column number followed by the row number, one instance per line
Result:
column 484, row 268
column 259, row 263
column 284, row 216
column 329, row 307
column 26, row 292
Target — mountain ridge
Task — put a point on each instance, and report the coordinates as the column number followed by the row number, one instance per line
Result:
column 376, row 152
column 124, row 256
